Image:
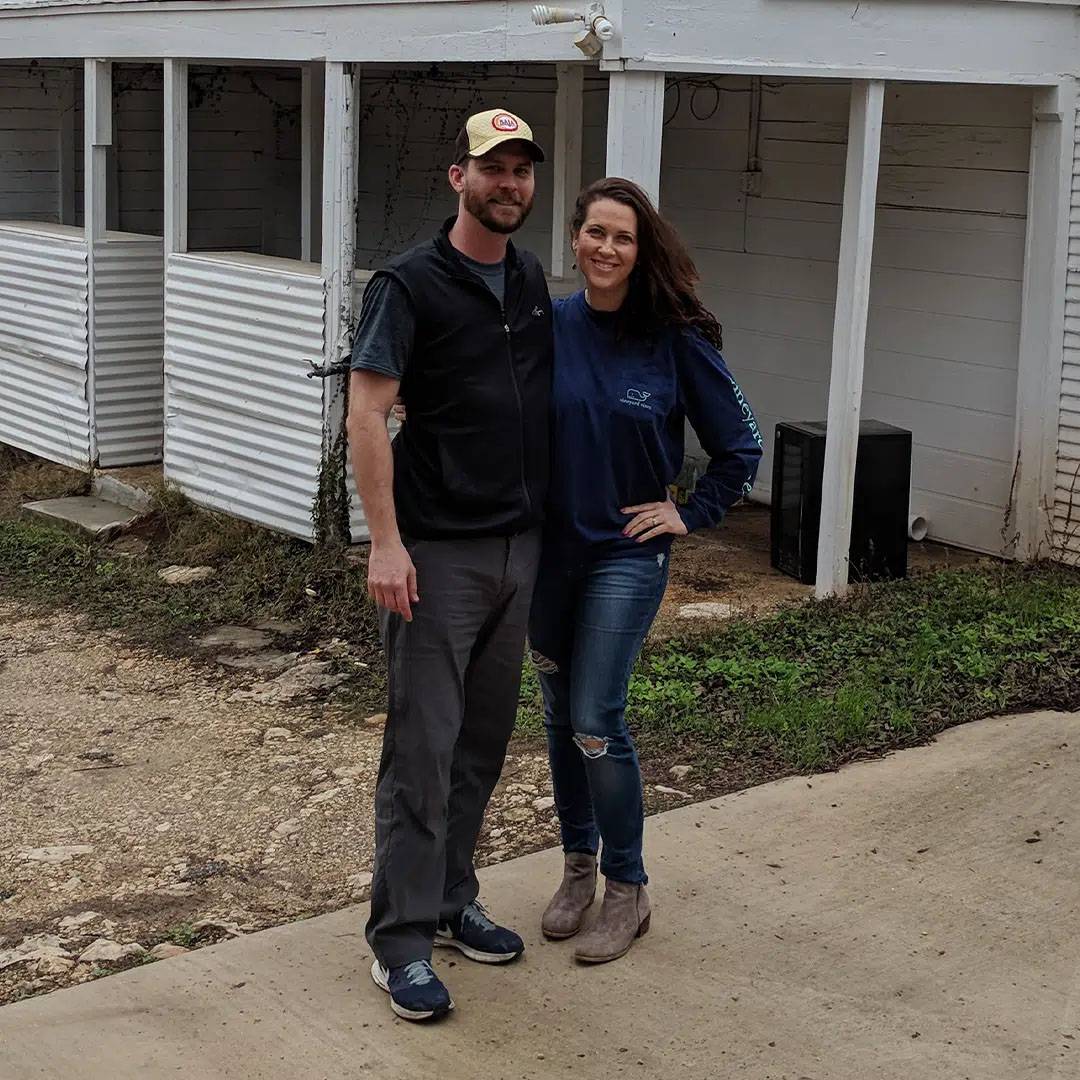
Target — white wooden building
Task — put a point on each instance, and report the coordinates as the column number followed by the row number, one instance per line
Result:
column 878, row 195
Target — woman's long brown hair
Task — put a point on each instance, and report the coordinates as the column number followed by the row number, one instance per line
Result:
column 663, row 284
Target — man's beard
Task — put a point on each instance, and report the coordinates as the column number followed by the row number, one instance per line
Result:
column 482, row 210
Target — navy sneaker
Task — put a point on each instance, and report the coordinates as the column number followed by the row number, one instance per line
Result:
column 474, row 934
column 416, row 992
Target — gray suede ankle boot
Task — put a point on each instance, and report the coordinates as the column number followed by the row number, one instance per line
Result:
column 562, row 918
column 624, row 916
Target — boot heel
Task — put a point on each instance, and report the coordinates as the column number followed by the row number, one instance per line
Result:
column 643, row 929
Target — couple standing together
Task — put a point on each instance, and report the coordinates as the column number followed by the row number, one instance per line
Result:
column 537, row 450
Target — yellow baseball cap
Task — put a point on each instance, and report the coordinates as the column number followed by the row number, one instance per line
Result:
column 485, row 130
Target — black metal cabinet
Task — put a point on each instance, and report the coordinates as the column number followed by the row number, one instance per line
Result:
column 880, row 514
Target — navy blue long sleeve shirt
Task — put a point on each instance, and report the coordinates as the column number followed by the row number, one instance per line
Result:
column 620, row 412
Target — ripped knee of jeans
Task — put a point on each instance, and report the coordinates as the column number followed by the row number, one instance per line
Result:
column 542, row 663
column 592, row 746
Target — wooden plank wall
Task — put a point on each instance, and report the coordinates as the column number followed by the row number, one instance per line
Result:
column 244, row 185
column 948, row 262
column 408, row 121
column 31, row 99
column 245, row 163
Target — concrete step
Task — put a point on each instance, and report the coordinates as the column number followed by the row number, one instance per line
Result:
column 125, row 492
column 85, row 515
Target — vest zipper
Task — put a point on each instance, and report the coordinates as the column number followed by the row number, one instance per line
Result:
column 520, row 408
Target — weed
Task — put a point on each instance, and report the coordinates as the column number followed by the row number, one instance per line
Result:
column 184, row 935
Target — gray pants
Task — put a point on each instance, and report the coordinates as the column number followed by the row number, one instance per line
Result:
column 455, row 675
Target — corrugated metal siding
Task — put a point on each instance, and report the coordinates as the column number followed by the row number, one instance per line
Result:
column 129, row 291
column 243, row 425
column 43, row 342
column 1067, row 481
column 14, row 4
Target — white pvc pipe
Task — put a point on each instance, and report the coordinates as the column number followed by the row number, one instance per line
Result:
column 543, row 15
column 916, row 527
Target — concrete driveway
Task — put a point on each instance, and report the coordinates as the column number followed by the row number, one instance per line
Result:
column 912, row 918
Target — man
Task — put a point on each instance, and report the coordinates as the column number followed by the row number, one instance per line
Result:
column 460, row 327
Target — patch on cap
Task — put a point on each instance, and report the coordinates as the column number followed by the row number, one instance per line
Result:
column 484, row 131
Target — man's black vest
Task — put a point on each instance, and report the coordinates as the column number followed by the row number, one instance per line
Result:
column 472, row 458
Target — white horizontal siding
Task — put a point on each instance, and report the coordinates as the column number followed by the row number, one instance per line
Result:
column 128, row 349
column 1066, row 514
column 243, row 426
column 43, row 342
column 942, row 341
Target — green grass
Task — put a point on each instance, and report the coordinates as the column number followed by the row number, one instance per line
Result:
column 817, row 684
column 807, row 688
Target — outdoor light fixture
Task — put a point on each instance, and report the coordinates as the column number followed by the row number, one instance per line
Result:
column 598, row 27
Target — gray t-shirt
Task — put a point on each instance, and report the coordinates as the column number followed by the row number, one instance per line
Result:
column 384, row 335
column 493, row 275
column 386, row 329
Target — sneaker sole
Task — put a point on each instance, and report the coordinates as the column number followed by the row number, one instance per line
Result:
column 475, row 954
column 405, row 1014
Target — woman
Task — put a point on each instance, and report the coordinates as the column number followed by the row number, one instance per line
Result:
column 636, row 355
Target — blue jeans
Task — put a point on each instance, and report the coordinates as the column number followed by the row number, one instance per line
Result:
column 586, row 629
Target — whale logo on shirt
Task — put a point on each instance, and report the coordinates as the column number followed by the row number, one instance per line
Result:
column 637, row 398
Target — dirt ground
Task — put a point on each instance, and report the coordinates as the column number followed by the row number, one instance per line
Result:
column 730, row 566
column 146, row 790
column 160, row 803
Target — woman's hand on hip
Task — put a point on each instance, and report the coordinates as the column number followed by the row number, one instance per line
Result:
column 653, row 519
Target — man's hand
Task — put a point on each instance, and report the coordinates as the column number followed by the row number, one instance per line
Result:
column 392, row 579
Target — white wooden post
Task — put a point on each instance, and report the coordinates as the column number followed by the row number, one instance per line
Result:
column 636, row 128
column 569, row 121
column 66, row 148
column 849, row 335
column 1042, row 317
column 176, row 158
column 339, row 206
column 176, row 203
column 97, row 137
column 340, row 147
